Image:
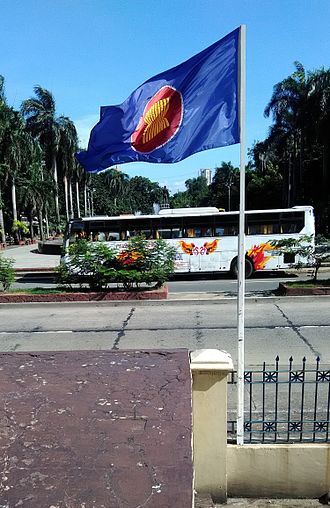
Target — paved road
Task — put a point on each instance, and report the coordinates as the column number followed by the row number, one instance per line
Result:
column 275, row 326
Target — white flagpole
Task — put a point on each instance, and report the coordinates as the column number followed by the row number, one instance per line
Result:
column 241, row 241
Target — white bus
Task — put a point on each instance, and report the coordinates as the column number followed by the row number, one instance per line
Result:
column 206, row 239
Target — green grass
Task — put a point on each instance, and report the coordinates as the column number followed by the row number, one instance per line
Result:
column 309, row 283
column 36, row 291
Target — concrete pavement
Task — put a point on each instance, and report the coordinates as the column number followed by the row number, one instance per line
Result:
column 28, row 258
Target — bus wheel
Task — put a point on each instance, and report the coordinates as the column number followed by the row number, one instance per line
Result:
column 248, row 268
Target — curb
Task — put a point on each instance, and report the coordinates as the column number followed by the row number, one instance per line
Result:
column 170, row 301
column 93, row 297
column 292, row 291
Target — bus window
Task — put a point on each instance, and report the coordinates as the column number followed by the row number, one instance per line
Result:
column 177, row 233
column 165, row 234
column 77, row 232
column 219, row 231
column 206, row 232
column 113, row 236
column 226, row 225
column 292, row 224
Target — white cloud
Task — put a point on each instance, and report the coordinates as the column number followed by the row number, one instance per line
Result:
column 84, row 126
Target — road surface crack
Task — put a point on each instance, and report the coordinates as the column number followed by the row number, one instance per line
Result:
column 122, row 331
column 298, row 332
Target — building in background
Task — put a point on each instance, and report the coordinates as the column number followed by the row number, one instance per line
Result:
column 207, row 173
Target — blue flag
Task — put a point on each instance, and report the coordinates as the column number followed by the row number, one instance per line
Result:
column 184, row 110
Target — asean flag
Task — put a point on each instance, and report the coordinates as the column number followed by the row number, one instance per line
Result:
column 184, row 110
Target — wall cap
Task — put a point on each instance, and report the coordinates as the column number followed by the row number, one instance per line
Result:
column 211, row 360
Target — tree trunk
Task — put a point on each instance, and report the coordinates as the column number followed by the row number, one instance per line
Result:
column 65, row 180
column 31, row 224
column 41, row 228
column 2, row 222
column 85, row 199
column 2, row 226
column 47, row 224
column 91, row 203
column 70, row 200
column 57, row 208
column 13, row 198
column 77, row 198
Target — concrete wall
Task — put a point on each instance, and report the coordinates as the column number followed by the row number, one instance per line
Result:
column 288, row 470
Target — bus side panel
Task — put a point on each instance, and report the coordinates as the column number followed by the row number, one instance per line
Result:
column 198, row 255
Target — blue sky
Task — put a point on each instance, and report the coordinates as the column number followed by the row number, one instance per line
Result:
column 91, row 53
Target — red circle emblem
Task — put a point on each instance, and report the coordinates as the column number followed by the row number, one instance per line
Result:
column 160, row 121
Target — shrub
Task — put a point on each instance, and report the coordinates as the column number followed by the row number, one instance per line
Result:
column 314, row 253
column 7, row 272
column 98, row 264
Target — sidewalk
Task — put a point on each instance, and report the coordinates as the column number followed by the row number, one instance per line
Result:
column 27, row 257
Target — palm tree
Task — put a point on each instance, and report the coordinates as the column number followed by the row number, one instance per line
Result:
column 2, row 222
column 36, row 189
column 79, row 176
column 300, row 106
column 117, row 182
column 289, row 108
column 17, row 148
column 3, row 116
column 67, row 147
column 40, row 113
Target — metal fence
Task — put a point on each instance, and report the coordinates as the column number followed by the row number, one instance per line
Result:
column 283, row 405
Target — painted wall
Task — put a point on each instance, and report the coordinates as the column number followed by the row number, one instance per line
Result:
column 288, row 470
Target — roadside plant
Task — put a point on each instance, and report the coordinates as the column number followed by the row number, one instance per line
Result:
column 7, row 272
column 314, row 252
column 19, row 228
column 98, row 264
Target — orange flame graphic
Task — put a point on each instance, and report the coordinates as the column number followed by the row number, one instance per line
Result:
column 211, row 246
column 257, row 254
column 187, row 247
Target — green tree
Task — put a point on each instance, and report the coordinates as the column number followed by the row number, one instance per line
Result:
column 117, row 183
column 3, row 121
column 36, row 190
column 195, row 195
column 68, row 145
column 299, row 137
column 180, row 199
column 143, row 194
column 40, row 114
column 224, row 189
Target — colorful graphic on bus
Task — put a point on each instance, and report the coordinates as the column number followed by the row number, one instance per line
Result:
column 257, row 254
column 192, row 249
